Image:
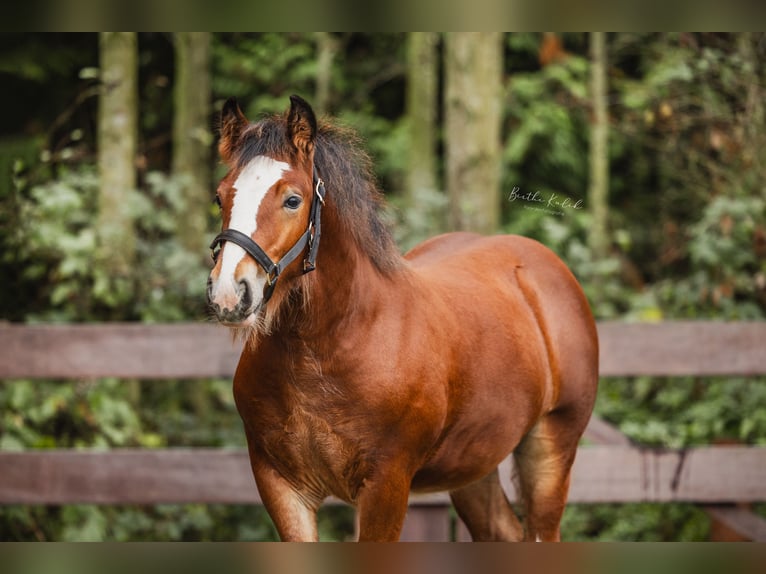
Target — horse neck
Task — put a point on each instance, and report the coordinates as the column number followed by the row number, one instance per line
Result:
column 346, row 287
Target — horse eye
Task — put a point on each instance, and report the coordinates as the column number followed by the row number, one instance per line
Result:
column 217, row 201
column 293, row 202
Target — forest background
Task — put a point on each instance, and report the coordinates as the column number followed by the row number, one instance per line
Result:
column 647, row 149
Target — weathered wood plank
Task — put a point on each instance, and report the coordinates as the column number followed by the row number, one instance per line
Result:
column 136, row 476
column 128, row 476
column 704, row 474
column 676, row 348
column 601, row 432
column 141, row 351
column 617, row 473
column 427, row 524
column 737, row 524
column 198, row 350
column 745, row 523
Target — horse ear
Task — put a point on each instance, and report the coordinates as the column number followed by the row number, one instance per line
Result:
column 301, row 125
column 233, row 123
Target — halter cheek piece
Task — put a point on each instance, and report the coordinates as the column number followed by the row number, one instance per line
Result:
column 309, row 238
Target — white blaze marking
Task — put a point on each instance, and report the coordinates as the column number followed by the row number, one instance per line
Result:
column 253, row 183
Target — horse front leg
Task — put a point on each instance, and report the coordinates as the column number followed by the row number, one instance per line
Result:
column 293, row 513
column 382, row 507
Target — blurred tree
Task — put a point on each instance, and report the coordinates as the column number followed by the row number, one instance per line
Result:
column 191, row 154
column 191, row 134
column 117, row 143
column 327, row 48
column 421, row 205
column 598, row 194
column 422, row 107
column 473, row 74
column 754, row 114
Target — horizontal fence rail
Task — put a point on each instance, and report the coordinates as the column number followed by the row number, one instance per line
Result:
column 680, row 348
column 141, row 476
column 609, row 469
column 123, row 350
column 146, row 351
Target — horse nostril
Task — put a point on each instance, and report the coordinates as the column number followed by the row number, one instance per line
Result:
column 245, row 295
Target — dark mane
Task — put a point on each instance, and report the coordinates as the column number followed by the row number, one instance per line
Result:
column 348, row 174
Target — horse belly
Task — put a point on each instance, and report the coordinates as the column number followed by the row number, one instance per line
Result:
column 468, row 456
column 493, row 421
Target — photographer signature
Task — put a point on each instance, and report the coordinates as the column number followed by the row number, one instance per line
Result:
column 552, row 201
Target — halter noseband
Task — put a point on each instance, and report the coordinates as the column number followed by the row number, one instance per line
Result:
column 309, row 238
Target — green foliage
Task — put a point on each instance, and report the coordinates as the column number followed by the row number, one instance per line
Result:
column 59, row 249
column 173, row 287
column 634, row 523
column 263, row 69
column 684, row 136
column 681, row 412
column 600, row 277
column 728, row 280
column 413, row 226
column 110, row 413
column 160, row 523
column 545, row 149
column 59, row 242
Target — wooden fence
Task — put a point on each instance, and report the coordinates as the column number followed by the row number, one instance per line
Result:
column 609, row 468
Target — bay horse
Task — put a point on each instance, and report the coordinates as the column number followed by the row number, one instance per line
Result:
column 379, row 374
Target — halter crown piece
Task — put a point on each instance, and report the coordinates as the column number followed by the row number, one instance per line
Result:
column 273, row 269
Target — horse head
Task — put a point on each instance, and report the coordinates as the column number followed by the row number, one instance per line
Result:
column 270, row 202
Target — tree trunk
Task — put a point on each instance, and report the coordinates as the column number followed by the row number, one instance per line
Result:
column 117, row 143
column 473, row 72
column 598, row 194
column 327, row 47
column 754, row 114
column 117, row 146
column 422, row 68
column 191, row 134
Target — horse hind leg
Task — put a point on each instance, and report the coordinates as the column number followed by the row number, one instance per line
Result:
column 543, row 463
column 486, row 512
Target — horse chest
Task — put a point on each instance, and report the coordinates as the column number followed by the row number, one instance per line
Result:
column 307, row 448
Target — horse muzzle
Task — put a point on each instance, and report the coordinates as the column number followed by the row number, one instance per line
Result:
column 233, row 306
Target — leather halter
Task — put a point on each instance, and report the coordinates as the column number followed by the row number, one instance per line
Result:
column 273, row 269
